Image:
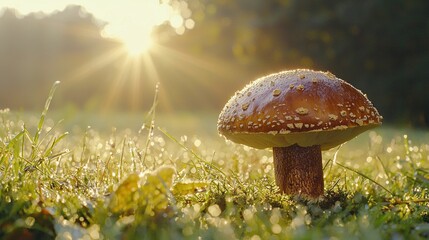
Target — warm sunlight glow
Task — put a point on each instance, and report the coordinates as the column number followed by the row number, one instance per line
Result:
column 134, row 25
column 131, row 23
column 136, row 44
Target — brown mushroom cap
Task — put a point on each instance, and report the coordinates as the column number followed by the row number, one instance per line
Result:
column 303, row 107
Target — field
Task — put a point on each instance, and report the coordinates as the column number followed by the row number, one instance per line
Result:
column 170, row 176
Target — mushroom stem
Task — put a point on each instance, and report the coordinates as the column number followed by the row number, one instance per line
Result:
column 299, row 170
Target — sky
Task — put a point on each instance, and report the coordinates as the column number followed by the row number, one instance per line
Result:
column 131, row 21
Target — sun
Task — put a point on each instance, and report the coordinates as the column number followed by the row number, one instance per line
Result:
column 133, row 24
column 137, row 44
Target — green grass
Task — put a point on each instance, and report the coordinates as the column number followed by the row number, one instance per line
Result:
column 179, row 180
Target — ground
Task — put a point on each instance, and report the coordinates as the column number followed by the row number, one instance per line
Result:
column 169, row 181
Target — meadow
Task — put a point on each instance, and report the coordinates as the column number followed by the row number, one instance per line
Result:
column 170, row 176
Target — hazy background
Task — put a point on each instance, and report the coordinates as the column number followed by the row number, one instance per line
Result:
column 379, row 46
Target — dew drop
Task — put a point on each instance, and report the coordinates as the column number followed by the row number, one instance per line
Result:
column 214, row 210
column 276, row 229
column 247, row 215
column 197, row 143
column 276, row 92
column 389, row 150
column 300, row 87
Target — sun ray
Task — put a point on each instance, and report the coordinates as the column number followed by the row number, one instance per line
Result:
column 202, row 73
column 94, row 65
column 135, row 88
column 152, row 74
column 115, row 88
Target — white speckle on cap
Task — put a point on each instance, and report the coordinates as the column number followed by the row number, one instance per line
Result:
column 359, row 122
column 299, row 125
column 340, row 127
column 332, row 117
column 284, row 131
column 302, row 111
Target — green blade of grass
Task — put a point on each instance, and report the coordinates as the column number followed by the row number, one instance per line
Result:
column 199, row 158
column 151, row 113
column 366, row 177
column 43, row 116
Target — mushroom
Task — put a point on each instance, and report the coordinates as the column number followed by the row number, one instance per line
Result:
column 298, row 114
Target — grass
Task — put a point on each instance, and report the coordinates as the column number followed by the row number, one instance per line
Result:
column 155, row 183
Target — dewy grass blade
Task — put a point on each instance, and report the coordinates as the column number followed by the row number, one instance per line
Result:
column 151, row 113
column 199, row 158
column 45, row 111
column 365, row 176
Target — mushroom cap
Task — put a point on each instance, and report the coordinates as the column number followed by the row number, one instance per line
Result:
column 302, row 107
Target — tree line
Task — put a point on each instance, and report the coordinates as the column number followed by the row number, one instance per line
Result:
column 380, row 46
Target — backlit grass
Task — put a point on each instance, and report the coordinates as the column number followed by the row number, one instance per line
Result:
column 152, row 183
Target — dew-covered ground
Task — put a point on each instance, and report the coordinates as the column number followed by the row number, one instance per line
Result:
column 177, row 179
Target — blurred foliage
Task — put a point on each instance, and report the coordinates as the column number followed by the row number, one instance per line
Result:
column 380, row 46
